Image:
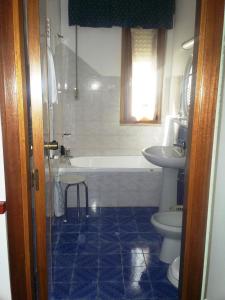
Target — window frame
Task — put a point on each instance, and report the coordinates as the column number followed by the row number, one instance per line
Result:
column 126, row 76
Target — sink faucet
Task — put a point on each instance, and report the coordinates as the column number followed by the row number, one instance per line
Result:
column 181, row 144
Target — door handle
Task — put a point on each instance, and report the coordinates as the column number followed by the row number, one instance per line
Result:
column 51, row 145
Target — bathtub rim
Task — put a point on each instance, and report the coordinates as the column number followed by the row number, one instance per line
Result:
column 129, row 167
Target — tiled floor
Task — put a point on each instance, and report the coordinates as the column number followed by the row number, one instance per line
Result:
column 111, row 256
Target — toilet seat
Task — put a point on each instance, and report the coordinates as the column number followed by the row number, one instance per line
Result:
column 173, row 272
column 168, row 223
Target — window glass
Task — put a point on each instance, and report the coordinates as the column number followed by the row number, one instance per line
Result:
column 141, row 75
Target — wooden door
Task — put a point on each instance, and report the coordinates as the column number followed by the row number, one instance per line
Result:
column 13, row 109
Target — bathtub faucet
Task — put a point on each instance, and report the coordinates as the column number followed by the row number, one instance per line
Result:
column 66, row 134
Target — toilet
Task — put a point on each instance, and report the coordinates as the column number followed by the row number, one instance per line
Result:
column 169, row 225
column 173, row 272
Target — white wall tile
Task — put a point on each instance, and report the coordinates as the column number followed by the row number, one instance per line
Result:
column 94, row 118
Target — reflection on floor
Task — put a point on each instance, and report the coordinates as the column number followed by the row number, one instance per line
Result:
column 112, row 256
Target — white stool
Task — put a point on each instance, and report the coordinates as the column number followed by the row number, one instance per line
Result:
column 74, row 180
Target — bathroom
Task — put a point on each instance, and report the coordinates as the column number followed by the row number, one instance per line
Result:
column 92, row 185
column 116, row 250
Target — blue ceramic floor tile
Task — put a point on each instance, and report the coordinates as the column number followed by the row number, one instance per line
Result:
column 61, row 291
column 111, row 290
column 109, row 227
column 124, row 211
column 88, row 237
column 143, row 218
column 109, row 237
column 125, row 219
column 86, row 261
column 83, row 290
column 128, row 227
column 164, row 290
column 89, row 227
column 56, row 228
column 62, row 274
column 111, row 274
column 152, row 247
column 109, row 219
column 153, row 261
column 105, row 211
column 70, row 227
column 88, row 248
column 138, row 274
column 133, row 260
column 109, row 248
column 158, row 274
column 148, row 211
column 70, row 237
column 63, row 260
column 55, row 238
column 150, row 237
column 145, row 227
column 66, row 248
column 85, row 274
column 128, row 237
column 131, row 247
column 110, row 260
column 113, row 255
column 92, row 211
column 91, row 220
column 138, row 290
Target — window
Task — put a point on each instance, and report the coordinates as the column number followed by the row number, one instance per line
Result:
column 142, row 75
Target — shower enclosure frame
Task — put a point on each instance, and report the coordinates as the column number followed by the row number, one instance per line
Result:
column 209, row 28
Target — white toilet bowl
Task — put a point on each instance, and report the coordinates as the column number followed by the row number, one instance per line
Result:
column 173, row 272
column 169, row 225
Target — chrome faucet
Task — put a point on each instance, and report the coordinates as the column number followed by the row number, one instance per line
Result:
column 66, row 134
column 181, row 144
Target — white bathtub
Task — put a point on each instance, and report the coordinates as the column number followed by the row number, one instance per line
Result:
column 111, row 163
column 117, row 180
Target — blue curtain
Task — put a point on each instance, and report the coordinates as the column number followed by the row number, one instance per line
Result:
column 124, row 13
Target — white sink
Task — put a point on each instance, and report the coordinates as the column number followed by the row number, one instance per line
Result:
column 165, row 156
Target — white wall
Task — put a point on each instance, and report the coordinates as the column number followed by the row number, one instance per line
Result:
column 93, row 120
column 5, row 292
column 100, row 48
column 184, row 22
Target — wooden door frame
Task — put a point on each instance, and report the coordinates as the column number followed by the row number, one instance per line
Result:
column 15, row 140
column 207, row 57
column 13, row 107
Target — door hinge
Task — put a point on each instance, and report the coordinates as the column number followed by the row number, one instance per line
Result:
column 35, row 179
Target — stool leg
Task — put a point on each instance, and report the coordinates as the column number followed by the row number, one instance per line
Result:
column 87, row 200
column 78, row 202
column 65, row 212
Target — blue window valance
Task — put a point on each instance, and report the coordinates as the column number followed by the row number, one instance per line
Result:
column 124, row 13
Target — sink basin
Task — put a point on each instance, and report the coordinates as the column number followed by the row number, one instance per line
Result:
column 165, row 156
